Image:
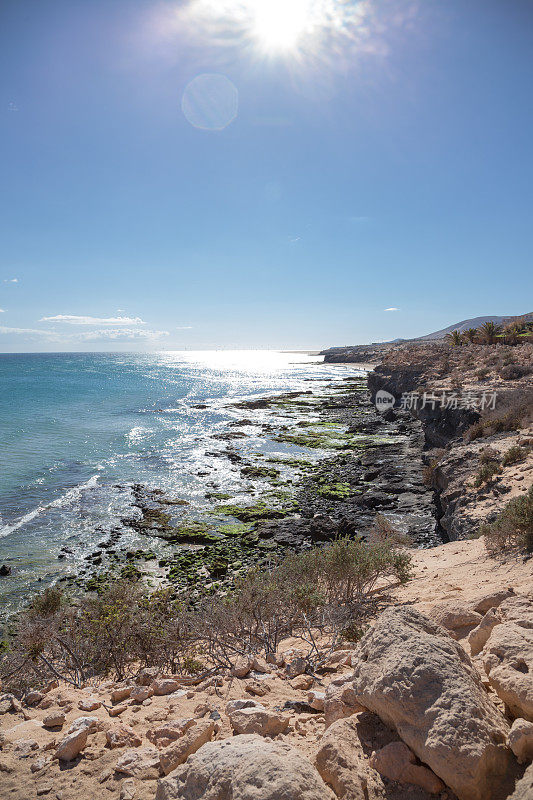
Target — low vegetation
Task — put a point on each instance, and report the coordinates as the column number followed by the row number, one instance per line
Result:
column 122, row 627
column 513, row 527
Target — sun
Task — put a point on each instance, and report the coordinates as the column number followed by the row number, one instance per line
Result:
column 281, row 24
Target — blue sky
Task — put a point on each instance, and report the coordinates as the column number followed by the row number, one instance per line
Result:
column 379, row 158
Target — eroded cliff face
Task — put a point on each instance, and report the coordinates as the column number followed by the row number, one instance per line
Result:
column 452, row 454
column 441, row 425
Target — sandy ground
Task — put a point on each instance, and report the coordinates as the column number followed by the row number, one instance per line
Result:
column 463, row 571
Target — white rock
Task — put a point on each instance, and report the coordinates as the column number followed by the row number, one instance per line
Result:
column 316, row 700
column 245, row 768
column 72, row 745
column 258, row 720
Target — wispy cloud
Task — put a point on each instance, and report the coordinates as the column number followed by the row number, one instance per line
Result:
column 2, row 311
column 118, row 333
column 392, row 308
column 73, row 319
column 104, row 334
column 359, row 219
column 27, row 331
column 11, row 280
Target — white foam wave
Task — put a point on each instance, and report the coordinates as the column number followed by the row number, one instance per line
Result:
column 64, row 499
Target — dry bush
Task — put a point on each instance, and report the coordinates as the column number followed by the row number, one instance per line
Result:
column 510, row 372
column 514, row 411
column 123, row 628
column 487, row 454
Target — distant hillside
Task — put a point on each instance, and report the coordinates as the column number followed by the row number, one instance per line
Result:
column 372, row 353
column 475, row 322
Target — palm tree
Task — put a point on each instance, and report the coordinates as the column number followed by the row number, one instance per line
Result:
column 470, row 335
column 454, row 338
column 489, row 332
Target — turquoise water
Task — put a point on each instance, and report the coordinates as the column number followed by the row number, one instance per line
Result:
column 76, row 430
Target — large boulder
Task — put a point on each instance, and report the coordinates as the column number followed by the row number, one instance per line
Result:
column 245, row 768
column 491, row 600
column 518, row 609
column 421, row 682
column 340, row 700
column 508, row 661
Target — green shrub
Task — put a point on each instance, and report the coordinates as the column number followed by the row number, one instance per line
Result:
column 486, row 473
column 514, row 455
column 513, row 527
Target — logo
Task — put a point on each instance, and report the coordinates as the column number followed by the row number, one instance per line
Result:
column 384, row 400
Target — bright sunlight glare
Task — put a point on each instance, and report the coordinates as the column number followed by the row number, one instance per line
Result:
column 280, row 24
column 300, row 29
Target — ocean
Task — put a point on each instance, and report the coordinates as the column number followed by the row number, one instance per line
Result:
column 78, row 429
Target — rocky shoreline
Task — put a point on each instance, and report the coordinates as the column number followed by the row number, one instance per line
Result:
column 369, row 465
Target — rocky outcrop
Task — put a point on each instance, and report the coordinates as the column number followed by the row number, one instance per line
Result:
column 419, row 681
column 243, row 768
column 508, row 661
column 441, row 425
column 457, row 618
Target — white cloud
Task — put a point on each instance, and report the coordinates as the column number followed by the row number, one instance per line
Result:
column 392, row 308
column 109, row 334
column 73, row 319
column 2, row 311
column 27, row 331
column 11, row 280
column 118, row 333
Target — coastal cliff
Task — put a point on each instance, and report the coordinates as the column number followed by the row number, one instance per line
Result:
column 470, row 412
